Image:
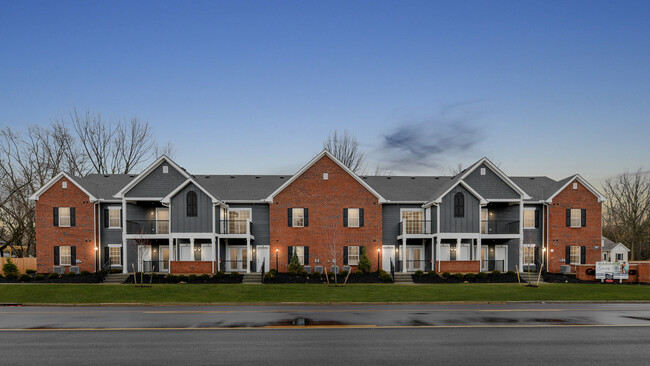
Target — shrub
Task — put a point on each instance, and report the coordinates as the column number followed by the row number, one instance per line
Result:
column 342, row 273
column 193, row 278
column 385, row 277
column 30, row 271
column 182, row 278
column 303, row 273
column 84, row 273
column 359, row 273
column 432, row 273
column 1, row 276
column 53, row 276
column 316, row 275
column 11, row 276
column 220, row 274
column 204, row 277
column 511, row 273
column 459, row 276
column 39, row 277
column 70, row 274
column 419, row 273
column 481, row 275
column 446, row 274
column 330, row 274
column 24, row 277
column 294, row 264
column 364, row 261
column 274, row 271
column 269, row 276
column 10, row 268
column 470, row 276
column 234, row 275
column 495, row 273
column 171, row 278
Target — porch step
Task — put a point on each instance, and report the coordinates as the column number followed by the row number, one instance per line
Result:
column 530, row 277
column 252, row 278
column 403, row 278
column 116, row 278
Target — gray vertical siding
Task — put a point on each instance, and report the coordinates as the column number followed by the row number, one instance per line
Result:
column 108, row 236
column 390, row 222
column 513, row 250
column 489, row 186
column 157, row 183
column 202, row 222
column 142, row 210
column 534, row 236
column 261, row 221
column 468, row 224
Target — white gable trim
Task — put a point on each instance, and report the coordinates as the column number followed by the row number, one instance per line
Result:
column 54, row 180
column 500, row 174
column 467, row 187
column 619, row 248
column 148, row 171
column 582, row 181
column 168, row 198
column 312, row 162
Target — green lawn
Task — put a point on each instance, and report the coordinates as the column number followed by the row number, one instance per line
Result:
column 83, row 294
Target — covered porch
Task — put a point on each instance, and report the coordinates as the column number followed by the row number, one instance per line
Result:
column 458, row 253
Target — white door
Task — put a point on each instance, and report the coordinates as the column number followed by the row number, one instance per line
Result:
column 185, row 252
column 501, row 256
column 463, row 253
column 445, row 252
column 263, row 256
column 144, row 255
column 387, row 255
column 414, row 259
column 206, row 252
column 237, row 259
column 163, row 258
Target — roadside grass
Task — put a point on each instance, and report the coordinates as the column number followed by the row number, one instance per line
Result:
column 84, row 294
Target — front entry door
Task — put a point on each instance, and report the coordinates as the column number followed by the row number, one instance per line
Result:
column 388, row 255
column 501, row 257
column 163, row 258
column 237, row 259
column 263, row 256
column 206, row 252
column 414, row 259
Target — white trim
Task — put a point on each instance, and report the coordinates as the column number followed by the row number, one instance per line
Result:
column 135, row 199
column 54, row 180
column 167, row 199
column 482, row 200
column 312, row 162
column 148, row 171
column 580, row 179
column 358, row 217
column 113, row 208
column 263, row 201
column 528, row 209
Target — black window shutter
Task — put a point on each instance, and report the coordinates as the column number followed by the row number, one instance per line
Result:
column 290, row 252
column 583, row 255
column 568, row 217
column 536, row 219
column 306, row 259
column 73, row 255
column 568, row 255
column 306, row 213
column 361, row 217
column 345, row 255
column 55, row 215
column 106, row 254
column 345, row 217
column 122, row 255
column 583, row 217
column 56, row 256
column 73, row 220
column 106, row 217
column 290, row 216
column 120, row 217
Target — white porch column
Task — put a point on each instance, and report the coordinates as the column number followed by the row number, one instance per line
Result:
column 457, row 248
column 478, row 250
column 218, row 254
column 438, row 251
column 192, row 248
column 214, row 253
column 170, row 257
column 403, row 254
column 248, row 254
column 124, row 241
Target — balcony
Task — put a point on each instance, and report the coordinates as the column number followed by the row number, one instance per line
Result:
column 236, row 227
column 491, row 227
column 492, row 265
column 415, row 228
column 147, row 227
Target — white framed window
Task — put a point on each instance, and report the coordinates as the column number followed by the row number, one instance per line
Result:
column 528, row 254
column 353, row 256
column 238, row 220
column 298, row 217
column 64, row 217
column 413, row 219
column 64, row 185
column 165, row 169
column 619, row 257
column 115, row 254
column 576, row 217
column 575, row 255
column 65, row 256
column 482, row 171
column 114, row 218
column 353, row 217
column 575, row 185
column 300, row 252
column 529, row 218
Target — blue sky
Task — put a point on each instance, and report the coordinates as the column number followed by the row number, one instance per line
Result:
column 547, row 87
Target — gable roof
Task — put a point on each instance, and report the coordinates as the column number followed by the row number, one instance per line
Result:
column 312, row 162
column 168, row 198
column 609, row 245
column 105, row 186
column 566, row 181
column 150, row 168
column 55, row 179
column 242, row 187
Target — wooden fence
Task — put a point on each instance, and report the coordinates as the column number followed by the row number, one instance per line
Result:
column 22, row 263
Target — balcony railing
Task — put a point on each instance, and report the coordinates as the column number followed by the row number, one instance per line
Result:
column 500, row 227
column 414, row 227
column 147, row 227
column 235, row 265
column 493, row 265
column 236, row 227
column 155, row 266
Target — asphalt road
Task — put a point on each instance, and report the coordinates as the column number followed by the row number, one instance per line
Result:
column 561, row 334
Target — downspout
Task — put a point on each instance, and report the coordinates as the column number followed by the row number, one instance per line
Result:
column 548, row 248
column 95, row 238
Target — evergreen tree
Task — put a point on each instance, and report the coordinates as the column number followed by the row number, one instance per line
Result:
column 364, row 262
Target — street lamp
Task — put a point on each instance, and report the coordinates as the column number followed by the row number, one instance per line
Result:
column 277, row 268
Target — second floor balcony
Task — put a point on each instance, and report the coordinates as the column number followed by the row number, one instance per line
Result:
column 415, row 228
column 491, row 227
column 236, row 227
column 147, row 227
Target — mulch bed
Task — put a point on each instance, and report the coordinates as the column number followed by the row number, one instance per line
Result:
column 372, row 277
column 89, row 278
column 191, row 279
column 455, row 278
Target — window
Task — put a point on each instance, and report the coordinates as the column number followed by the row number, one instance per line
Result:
column 353, row 217
column 576, row 218
column 115, row 254
column 459, row 204
column 482, row 171
column 64, row 185
column 529, row 254
column 575, row 255
column 484, row 220
column 165, row 169
column 300, row 252
column 353, row 256
column 619, row 257
column 529, row 218
column 298, row 217
column 162, row 220
column 238, row 221
column 114, row 218
column 64, row 217
column 575, row 185
column 65, row 256
column 190, row 199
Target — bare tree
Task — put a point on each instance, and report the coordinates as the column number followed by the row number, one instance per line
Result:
column 457, row 170
column 333, row 244
column 380, row 171
column 345, row 147
column 627, row 211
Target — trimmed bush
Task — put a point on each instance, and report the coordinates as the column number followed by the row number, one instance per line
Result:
column 470, row 276
column 11, row 276
column 204, row 277
column 316, row 275
column 24, row 277
column 274, row 271
column 459, row 276
column 193, row 278
column 84, row 273
column 39, row 277
column 30, row 271
column 385, row 277
column 481, row 275
column 364, row 261
column 446, row 274
column 234, row 275
column 419, row 273
column 171, row 278
column 294, row 264
column 10, row 268
column 183, row 278
column 511, row 273
column 495, row 273
column 1, row 276
column 220, row 274
column 330, row 274
column 269, row 276
column 53, row 276
column 70, row 274
column 432, row 273
column 304, row 273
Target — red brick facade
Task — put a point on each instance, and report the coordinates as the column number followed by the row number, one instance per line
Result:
column 560, row 236
column 192, row 267
column 459, row 266
column 325, row 201
column 81, row 235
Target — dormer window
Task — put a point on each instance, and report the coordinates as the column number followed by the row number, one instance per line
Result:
column 191, row 204
column 459, row 204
